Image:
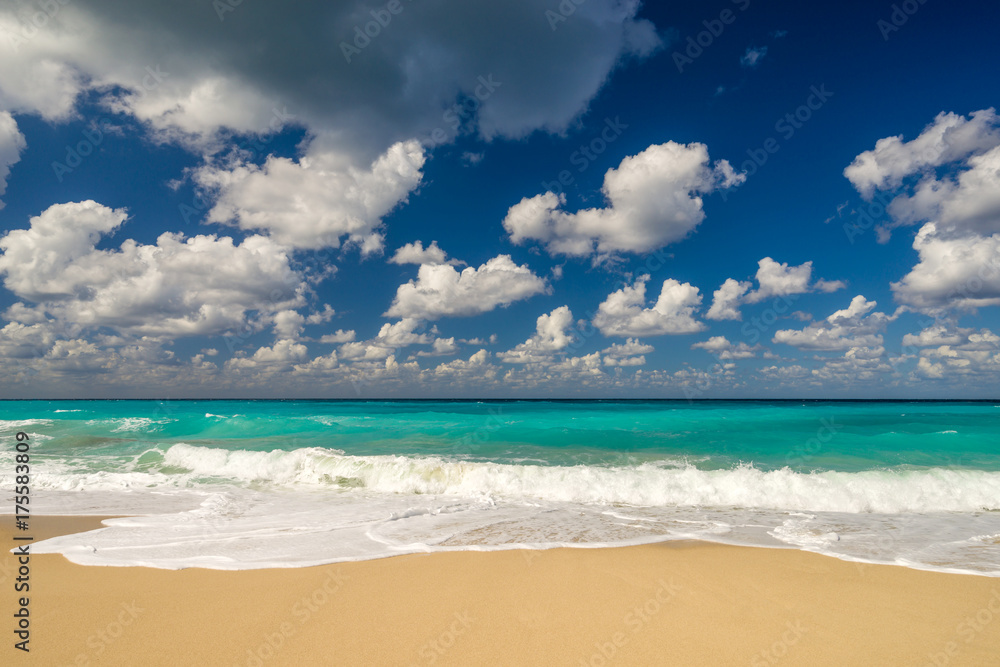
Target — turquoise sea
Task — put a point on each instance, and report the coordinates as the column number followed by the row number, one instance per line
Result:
column 244, row 484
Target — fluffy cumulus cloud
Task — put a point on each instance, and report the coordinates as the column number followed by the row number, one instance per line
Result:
column 955, row 353
column 629, row 353
column 441, row 347
column 416, row 253
column 958, row 243
column 11, row 145
column 938, row 334
column 961, row 204
column 476, row 369
column 950, row 137
column 723, row 349
column 551, row 336
column 652, row 199
column 188, row 71
column 727, row 299
column 389, row 340
column 441, row 290
column 961, row 272
column 315, row 201
column 278, row 357
column 853, row 327
column 176, row 287
column 624, row 313
column 774, row 279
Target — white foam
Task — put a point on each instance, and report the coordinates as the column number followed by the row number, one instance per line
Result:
column 21, row 424
column 648, row 484
column 211, row 507
column 131, row 424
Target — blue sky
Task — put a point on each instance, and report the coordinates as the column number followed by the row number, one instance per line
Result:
column 739, row 199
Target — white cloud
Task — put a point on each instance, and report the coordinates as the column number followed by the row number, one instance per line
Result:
column 586, row 365
column 952, row 272
column 551, row 335
column 316, row 201
column 653, row 199
column 401, row 334
column 780, row 279
column 723, row 349
column 11, row 145
column 178, row 286
column 774, row 279
column 364, row 351
column 340, row 336
column 855, row 326
column 288, row 324
column 785, row 374
column 624, row 313
column 958, row 243
column 441, row 291
column 859, row 365
column 936, row 335
column 727, row 299
column 629, row 353
column 25, row 341
column 975, row 353
column 753, row 56
column 322, row 316
column 415, row 253
column 441, row 347
column 961, row 205
column 476, row 368
column 280, row 355
column 390, row 338
column 950, row 137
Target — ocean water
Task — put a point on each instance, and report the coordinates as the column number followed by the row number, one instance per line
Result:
column 250, row 484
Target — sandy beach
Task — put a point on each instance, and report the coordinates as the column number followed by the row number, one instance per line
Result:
column 679, row 603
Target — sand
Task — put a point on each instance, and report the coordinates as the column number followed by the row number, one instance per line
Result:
column 685, row 603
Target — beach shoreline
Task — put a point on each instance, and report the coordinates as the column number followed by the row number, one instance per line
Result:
column 668, row 603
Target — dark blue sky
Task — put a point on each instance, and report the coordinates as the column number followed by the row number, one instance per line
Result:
column 193, row 152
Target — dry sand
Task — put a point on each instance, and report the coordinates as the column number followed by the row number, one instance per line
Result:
column 669, row 604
